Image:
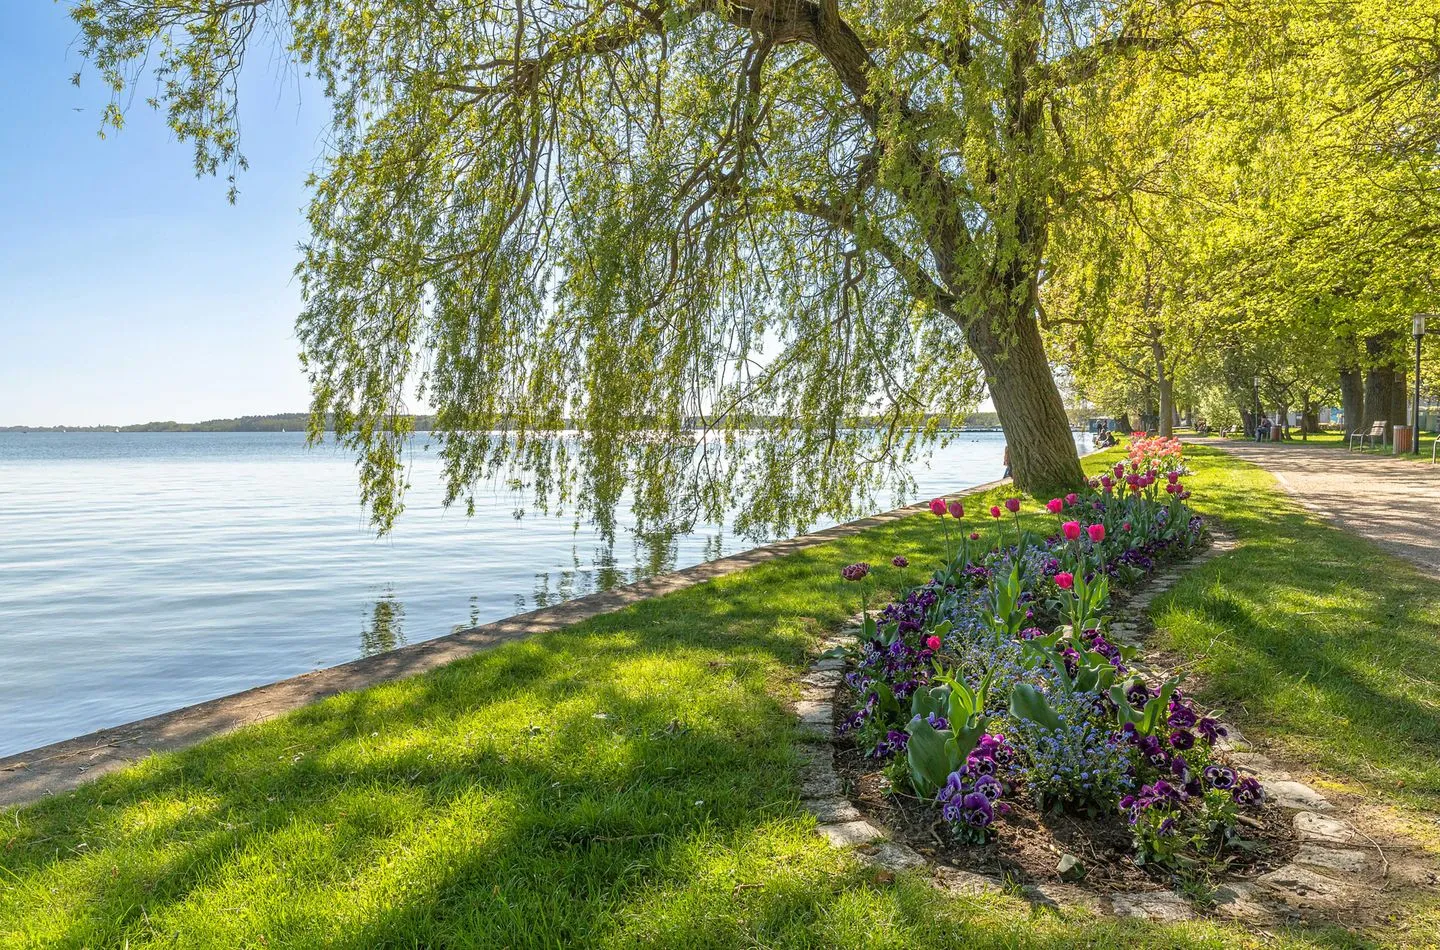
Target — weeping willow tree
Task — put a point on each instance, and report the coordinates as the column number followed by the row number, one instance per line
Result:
column 749, row 253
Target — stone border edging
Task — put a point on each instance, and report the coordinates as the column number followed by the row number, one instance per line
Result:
column 1324, row 875
column 30, row 775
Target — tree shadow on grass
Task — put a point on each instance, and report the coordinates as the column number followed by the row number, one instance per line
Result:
column 631, row 780
column 1332, row 647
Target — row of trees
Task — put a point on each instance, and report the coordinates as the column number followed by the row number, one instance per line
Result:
column 1281, row 227
column 792, row 216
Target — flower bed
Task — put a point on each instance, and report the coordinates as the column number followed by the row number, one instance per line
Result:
column 996, row 718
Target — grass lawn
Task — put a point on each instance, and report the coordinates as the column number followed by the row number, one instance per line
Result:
column 633, row 779
column 1341, row 440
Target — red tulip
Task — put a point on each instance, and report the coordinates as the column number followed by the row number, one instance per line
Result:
column 933, row 643
column 957, row 510
column 1064, row 580
column 994, row 511
column 937, row 507
column 1012, row 505
column 1097, row 532
column 1054, row 505
column 1071, row 530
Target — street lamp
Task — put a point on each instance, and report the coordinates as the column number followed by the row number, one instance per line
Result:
column 1419, row 333
column 1257, row 408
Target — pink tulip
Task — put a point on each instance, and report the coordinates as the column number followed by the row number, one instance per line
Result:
column 933, row 643
column 1064, row 580
column 1071, row 498
column 1096, row 532
column 1173, row 477
column 994, row 511
column 1054, row 505
column 1071, row 530
column 1012, row 505
column 937, row 507
column 1126, row 526
column 957, row 510
column 974, row 535
column 1106, row 482
column 1119, row 469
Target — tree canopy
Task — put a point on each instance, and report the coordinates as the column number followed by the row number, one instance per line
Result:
column 756, row 254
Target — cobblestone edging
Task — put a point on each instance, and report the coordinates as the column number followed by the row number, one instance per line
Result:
column 1328, row 873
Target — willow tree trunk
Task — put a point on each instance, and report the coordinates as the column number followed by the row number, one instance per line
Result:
column 1037, row 431
column 1352, row 398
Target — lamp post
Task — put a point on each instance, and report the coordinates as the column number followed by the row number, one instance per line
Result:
column 1257, row 408
column 1419, row 333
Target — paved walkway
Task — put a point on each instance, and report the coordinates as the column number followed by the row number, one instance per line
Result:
column 1395, row 502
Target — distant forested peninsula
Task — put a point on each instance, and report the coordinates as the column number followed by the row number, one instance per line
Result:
column 297, row 421
column 280, row 422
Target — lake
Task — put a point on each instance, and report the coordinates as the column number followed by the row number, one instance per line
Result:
column 140, row 572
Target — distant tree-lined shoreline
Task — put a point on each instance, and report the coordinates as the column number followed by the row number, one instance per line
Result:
column 298, row 421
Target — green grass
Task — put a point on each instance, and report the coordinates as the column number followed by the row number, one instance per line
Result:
column 1340, row 440
column 1315, row 639
column 632, row 781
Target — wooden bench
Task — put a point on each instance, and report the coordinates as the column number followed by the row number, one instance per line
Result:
column 1376, row 435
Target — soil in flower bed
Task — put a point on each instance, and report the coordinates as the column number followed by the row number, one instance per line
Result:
column 1027, row 845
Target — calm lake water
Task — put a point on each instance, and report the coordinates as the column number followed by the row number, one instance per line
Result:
column 142, row 572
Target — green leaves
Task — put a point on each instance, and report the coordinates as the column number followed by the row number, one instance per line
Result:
column 1027, row 704
column 934, row 753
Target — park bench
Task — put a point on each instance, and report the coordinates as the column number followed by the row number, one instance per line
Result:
column 1376, row 435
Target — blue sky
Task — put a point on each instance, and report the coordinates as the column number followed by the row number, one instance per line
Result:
column 131, row 291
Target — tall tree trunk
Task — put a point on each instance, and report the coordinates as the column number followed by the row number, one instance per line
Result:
column 1037, row 431
column 1352, row 398
column 1379, row 382
column 1309, row 417
column 1125, row 426
column 1166, row 417
column 1399, row 401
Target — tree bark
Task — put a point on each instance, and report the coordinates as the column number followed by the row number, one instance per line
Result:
column 1399, row 403
column 1167, row 407
column 1037, row 431
column 1379, row 384
column 1352, row 398
column 1124, row 423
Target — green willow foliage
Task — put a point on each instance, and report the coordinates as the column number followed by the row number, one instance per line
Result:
column 745, row 253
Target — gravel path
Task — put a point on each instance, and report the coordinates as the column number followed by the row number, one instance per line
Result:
column 1394, row 502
